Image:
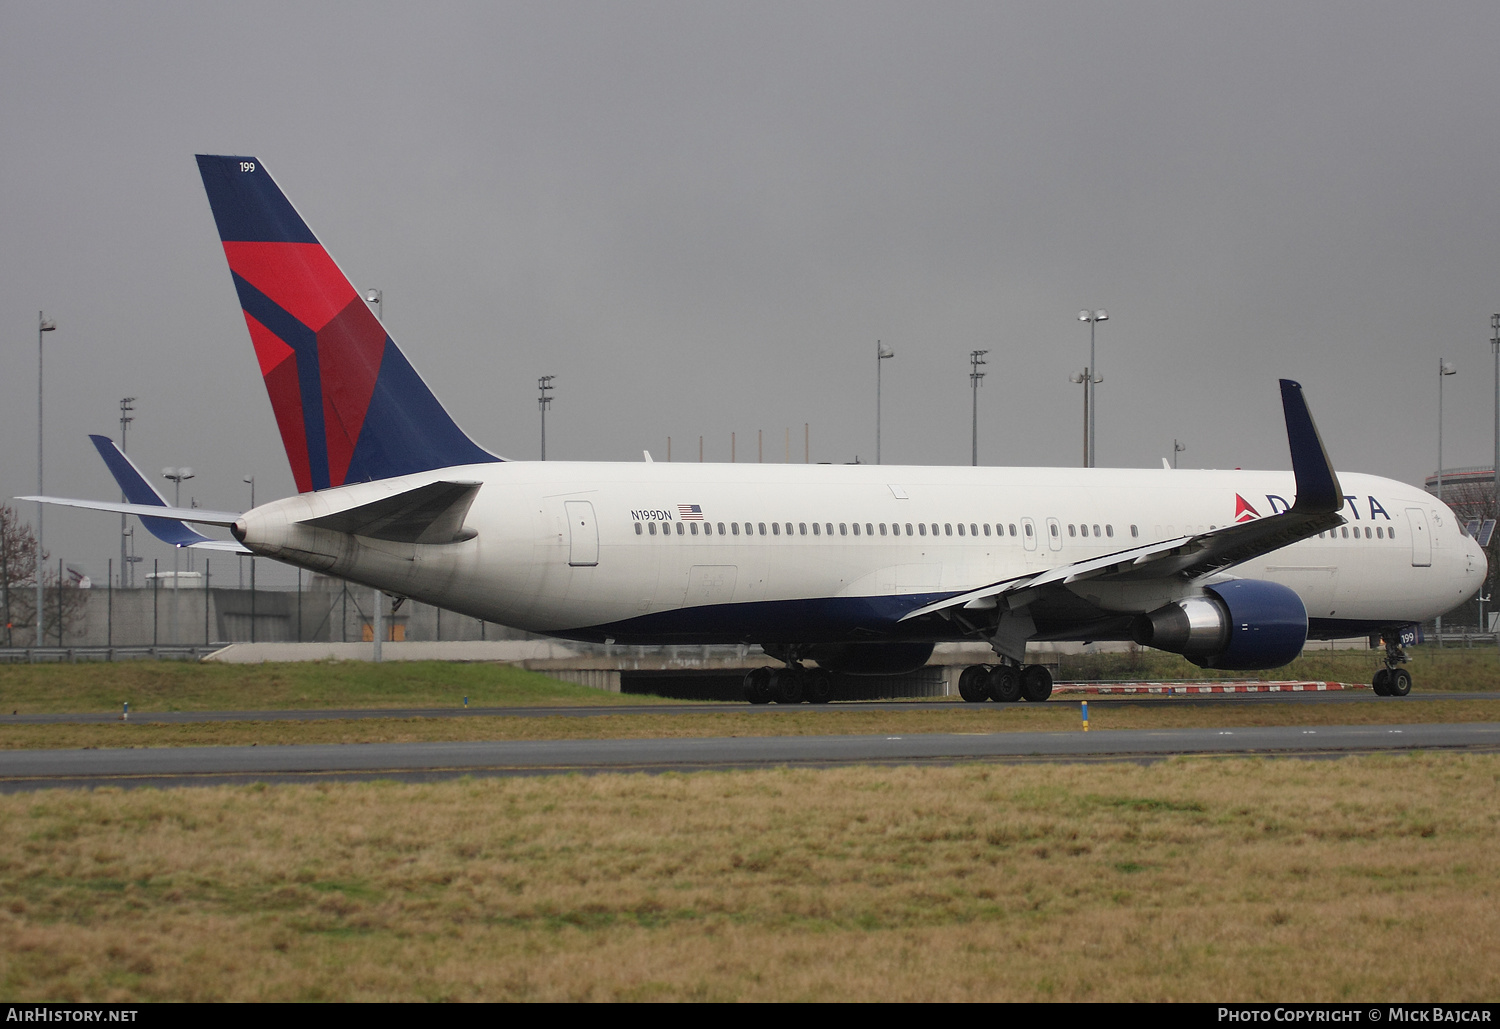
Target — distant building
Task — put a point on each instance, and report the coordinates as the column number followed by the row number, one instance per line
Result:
column 1469, row 491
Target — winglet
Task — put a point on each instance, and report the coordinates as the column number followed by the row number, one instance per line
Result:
column 138, row 491
column 1318, row 489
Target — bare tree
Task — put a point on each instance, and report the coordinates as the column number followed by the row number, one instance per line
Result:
column 18, row 588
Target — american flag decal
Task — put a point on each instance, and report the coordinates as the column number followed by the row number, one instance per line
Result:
column 690, row 512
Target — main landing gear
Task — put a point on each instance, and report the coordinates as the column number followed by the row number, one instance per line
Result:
column 1393, row 680
column 790, row 685
column 1004, row 684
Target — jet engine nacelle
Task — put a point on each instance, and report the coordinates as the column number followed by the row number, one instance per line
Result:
column 1242, row 624
column 871, row 658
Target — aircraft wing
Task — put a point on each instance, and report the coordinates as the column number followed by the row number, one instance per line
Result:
column 1319, row 499
column 164, row 522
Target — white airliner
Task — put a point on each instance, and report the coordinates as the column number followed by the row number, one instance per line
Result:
column 858, row 569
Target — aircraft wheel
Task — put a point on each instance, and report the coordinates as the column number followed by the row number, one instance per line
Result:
column 1400, row 683
column 971, row 684
column 1005, row 684
column 1381, row 684
column 758, row 685
column 786, row 686
column 1036, row 683
column 819, row 686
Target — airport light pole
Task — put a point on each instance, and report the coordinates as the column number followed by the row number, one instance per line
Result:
column 882, row 353
column 377, row 627
column 175, row 477
column 125, row 420
column 543, row 401
column 976, row 358
column 1083, row 377
column 1178, row 448
column 1445, row 368
column 1495, row 345
column 43, row 324
column 251, row 480
column 1093, row 318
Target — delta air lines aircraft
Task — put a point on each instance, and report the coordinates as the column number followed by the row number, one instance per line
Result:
column 854, row 568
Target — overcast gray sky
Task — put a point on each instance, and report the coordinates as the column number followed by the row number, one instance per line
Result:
column 701, row 216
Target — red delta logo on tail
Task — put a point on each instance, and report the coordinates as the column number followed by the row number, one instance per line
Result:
column 1243, row 511
column 349, row 405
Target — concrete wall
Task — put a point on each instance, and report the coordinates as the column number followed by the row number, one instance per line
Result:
column 164, row 617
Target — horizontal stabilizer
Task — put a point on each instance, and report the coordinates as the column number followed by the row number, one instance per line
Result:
column 197, row 515
column 433, row 513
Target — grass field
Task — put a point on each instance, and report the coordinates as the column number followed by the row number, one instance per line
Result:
column 210, row 686
column 184, row 686
column 1365, row 878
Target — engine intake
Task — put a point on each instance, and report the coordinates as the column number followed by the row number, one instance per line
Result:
column 1247, row 624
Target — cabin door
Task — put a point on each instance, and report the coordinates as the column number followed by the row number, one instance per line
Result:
column 583, row 534
column 1421, row 539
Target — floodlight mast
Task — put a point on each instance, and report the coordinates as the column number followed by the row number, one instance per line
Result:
column 1093, row 318
column 544, row 385
column 882, row 353
column 976, row 358
column 43, row 324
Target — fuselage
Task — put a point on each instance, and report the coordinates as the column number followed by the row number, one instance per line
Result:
column 722, row 553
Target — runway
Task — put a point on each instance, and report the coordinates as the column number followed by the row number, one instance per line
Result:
column 25, row 770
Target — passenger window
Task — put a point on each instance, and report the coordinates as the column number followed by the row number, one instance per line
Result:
column 816, row 528
column 960, row 528
column 974, row 529
column 986, row 528
column 749, row 529
column 922, row 528
column 736, row 527
column 680, row 530
column 882, row 528
column 1096, row 531
column 1028, row 528
column 788, row 528
column 856, row 528
column 695, row 528
column 721, row 528
column 1390, row 532
column 828, row 528
column 947, row 529
column 1134, row 532
column 1379, row 533
column 638, row 530
column 1070, row 530
column 652, row 527
column 843, row 528
column 1013, row 529
column 762, row 528
column 934, row 528
column 908, row 528
column 869, row 529
column 775, row 529
column 802, row 528
column 1346, row 532
column 1052, row 527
